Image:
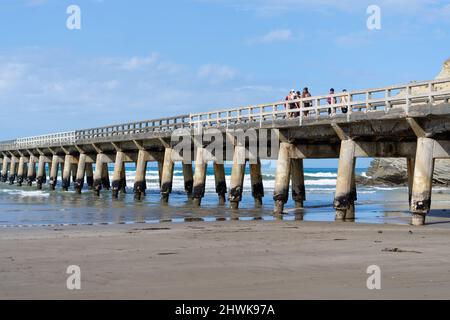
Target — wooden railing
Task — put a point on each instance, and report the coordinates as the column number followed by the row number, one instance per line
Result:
column 296, row 111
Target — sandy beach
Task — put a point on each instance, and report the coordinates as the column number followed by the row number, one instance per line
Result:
column 226, row 260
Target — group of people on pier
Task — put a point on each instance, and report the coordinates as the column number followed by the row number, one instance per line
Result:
column 305, row 94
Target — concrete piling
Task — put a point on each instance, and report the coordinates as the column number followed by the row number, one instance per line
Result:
column 298, row 183
column 188, row 179
column 65, row 184
column 105, row 177
column 221, row 184
column 54, row 172
column 282, row 177
column 344, row 197
column 89, row 175
column 40, row 176
column 410, row 164
column 5, row 166
column 21, row 171
column 13, row 170
column 237, row 176
column 257, row 183
column 140, row 184
column 123, row 179
column 201, row 166
column 31, row 173
column 167, row 175
column 423, row 181
column 98, row 174
column 81, row 169
column 117, row 179
column 73, row 172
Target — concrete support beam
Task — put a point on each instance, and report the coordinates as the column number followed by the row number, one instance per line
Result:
column 105, row 176
column 167, row 175
column 21, row 171
column 423, row 181
column 65, row 184
column 237, row 176
column 344, row 196
column 188, row 179
column 140, row 184
column 81, row 169
column 298, row 182
column 98, row 174
column 89, row 175
column 123, row 180
column 31, row 174
column 256, row 180
column 73, row 171
column 5, row 167
column 221, row 184
column 283, row 172
column 199, row 177
column 40, row 176
column 13, row 170
column 118, row 174
column 54, row 172
column 410, row 164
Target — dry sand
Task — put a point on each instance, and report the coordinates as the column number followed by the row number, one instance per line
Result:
column 225, row 260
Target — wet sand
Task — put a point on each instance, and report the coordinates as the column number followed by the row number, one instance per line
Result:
column 226, row 260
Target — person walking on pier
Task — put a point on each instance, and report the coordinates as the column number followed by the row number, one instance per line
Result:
column 289, row 106
column 307, row 104
column 332, row 100
column 344, row 100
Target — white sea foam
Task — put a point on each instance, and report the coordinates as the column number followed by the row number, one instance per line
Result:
column 23, row 193
column 321, row 175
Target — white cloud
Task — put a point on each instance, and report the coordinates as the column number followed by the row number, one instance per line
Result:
column 135, row 63
column 216, row 73
column 278, row 35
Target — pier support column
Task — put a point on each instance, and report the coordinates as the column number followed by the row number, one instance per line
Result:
column 423, row 181
column 199, row 177
column 73, row 172
column 188, row 179
column 167, row 175
column 21, row 171
column 13, row 170
column 257, row 183
column 5, row 169
column 54, row 172
column 344, row 197
column 118, row 174
column 31, row 175
column 89, row 175
column 40, row 177
column 221, row 184
column 123, row 179
column 298, row 183
column 81, row 169
column 105, row 177
column 237, row 176
column 65, row 184
column 410, row 164
column 350, row 214
column 98, row 174
column 283, row 172
column 140, row 184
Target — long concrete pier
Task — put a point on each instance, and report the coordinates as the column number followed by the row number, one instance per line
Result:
column 410, row 121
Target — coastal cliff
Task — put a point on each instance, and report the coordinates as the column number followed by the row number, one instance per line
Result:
column 393, row 172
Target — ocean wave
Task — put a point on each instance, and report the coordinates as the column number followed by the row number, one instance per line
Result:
column 23, row 193
column 321, row 175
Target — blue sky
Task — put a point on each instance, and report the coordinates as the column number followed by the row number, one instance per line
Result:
column 139, row 59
